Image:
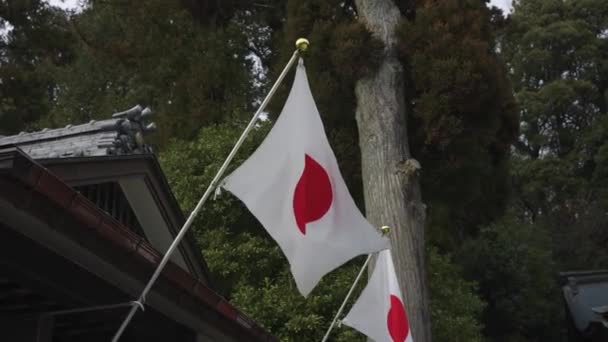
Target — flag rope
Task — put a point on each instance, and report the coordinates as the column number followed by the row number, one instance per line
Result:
column 301, row 45
column 350, row 292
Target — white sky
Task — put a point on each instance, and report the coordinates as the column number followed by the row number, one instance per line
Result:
column 64, row 4
column 504, row 4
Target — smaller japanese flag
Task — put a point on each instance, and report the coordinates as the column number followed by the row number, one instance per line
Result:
column 379, row 312
column 293, row 186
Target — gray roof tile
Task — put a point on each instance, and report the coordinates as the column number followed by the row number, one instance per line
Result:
column 117, row 135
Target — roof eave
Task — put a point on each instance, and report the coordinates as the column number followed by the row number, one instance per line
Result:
column 17, row 165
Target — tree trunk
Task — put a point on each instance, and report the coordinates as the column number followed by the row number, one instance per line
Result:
column 390, row 177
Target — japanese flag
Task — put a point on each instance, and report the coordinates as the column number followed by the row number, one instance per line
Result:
column 293, row 186
column 379, row 312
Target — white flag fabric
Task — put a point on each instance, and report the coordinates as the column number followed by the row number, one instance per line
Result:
column 293, row 186
column 379, row 312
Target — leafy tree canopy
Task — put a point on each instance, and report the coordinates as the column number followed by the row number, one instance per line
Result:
column 463, row 115
column 558, row 57
column 35, row 43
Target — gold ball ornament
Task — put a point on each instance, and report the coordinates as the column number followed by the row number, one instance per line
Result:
column 302, row 44
column 385, row 230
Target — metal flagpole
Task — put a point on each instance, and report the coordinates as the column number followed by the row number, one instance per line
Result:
column 301, row 46
column 350, row 292
column 384, row 230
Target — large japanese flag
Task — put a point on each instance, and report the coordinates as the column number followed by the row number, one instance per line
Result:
column 293, row 186
column 379, row 312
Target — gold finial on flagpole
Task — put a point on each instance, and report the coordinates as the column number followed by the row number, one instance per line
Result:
column 385, row 230
column 302, row 44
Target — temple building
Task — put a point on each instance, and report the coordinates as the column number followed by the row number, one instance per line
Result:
column 85, row 213
column 585, row 296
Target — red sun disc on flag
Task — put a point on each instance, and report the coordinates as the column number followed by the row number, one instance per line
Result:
column 396, row 320
column 313, row 195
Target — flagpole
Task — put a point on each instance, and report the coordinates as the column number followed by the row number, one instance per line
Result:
column 384, row 230
column 350, row 292
column 301, row 46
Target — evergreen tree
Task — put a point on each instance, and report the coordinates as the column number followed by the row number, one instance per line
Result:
column 186, row 60
column 463, row 115
column 513, row 264
column 558, row 54
column 341, row 52
column 36, row 41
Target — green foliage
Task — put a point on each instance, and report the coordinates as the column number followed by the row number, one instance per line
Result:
column 157, row 54
column 557, row 52
column 556, row 56
column 279, row 307
column 463, row 116
column 513, row 264
column 191, row 165
column 455, row 305
column 38, row 43
column 342, row 51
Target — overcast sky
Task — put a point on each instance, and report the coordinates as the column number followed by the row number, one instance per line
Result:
column 504, row 4
column 65, row 4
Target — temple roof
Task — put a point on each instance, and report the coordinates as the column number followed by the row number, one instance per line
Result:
column 586, row 297
column 113, row 151
column 77, row 256
column 122, row 134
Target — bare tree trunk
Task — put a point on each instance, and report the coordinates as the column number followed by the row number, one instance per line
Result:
column 390, row 177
